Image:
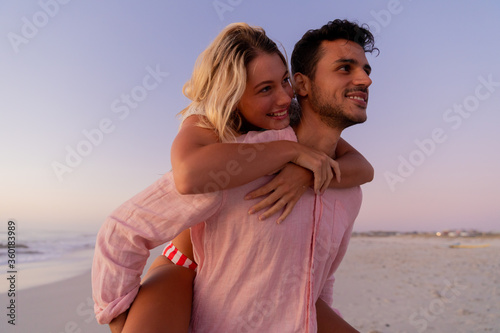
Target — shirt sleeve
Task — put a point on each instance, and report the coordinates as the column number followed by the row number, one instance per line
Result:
column 351, row 204
column 191, row 111
column 149, row 219
column 327, row 291
column 269, row 135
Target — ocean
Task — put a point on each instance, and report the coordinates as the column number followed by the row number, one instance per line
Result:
column 43, row 245
column 43, row 256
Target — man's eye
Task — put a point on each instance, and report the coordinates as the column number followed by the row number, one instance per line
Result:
column 345, row 68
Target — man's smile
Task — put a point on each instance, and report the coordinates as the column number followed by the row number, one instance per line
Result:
column 359, row 97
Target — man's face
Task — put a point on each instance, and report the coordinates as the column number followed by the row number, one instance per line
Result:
column 339, row 91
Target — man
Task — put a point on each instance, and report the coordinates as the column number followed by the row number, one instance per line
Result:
column 277, row 279
column 332, row 89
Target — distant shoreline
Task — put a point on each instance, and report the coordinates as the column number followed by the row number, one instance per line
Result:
column 449, row 235
column 39, row 273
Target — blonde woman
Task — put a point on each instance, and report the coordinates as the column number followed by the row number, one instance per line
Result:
column 240, row 83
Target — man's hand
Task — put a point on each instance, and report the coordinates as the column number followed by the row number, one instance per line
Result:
column 283, row 191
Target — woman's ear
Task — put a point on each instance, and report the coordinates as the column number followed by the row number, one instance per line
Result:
column 301, row 84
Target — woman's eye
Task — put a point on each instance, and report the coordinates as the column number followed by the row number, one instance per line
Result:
column 265, row 89
column 286, row 80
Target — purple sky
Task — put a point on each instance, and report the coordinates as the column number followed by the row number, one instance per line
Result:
column 432, row 131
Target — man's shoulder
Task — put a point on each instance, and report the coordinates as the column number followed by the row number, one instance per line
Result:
column 350, row 198
column 350, row 194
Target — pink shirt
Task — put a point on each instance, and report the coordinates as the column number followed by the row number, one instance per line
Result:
column 252, row 275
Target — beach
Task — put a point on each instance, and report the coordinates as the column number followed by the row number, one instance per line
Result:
column 409, row 284
column 385, row 284
column 55, row 296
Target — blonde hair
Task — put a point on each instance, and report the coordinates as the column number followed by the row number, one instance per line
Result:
column 219, row 76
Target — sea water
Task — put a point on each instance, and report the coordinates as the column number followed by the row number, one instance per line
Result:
column 43, row 256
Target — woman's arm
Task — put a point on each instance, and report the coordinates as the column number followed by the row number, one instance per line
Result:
column 201, row 164
column 354, row 167
column 149, row 219
column 287, row 187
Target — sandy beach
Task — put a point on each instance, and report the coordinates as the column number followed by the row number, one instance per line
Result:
column 385, row 284
column 64, row 305
column 419, row 284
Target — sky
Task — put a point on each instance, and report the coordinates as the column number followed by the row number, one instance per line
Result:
column 89, row 93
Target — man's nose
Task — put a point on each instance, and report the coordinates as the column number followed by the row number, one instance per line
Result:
column 362, row 79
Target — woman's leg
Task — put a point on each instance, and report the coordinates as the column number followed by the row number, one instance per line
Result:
column 164, row 301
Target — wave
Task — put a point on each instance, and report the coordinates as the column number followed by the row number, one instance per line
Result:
column 17, row 246
column 41, row 245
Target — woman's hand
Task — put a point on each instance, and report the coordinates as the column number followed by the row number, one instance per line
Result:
column 284, row 191
column 322, row 166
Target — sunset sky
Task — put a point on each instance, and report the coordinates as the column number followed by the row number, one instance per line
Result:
column 73, row 146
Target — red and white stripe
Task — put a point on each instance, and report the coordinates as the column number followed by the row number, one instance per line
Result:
column 176, row 256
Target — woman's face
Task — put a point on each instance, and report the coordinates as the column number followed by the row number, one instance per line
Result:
column 268, row 93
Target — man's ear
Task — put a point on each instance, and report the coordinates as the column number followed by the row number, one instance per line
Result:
column 302, row 84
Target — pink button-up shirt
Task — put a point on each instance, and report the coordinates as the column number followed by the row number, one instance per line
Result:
column 252, row 276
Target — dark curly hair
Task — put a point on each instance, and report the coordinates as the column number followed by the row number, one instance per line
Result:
column 307, row 51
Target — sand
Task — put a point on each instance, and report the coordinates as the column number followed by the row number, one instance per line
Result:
column 419, row 284
column 385, row 284
column 63, row 306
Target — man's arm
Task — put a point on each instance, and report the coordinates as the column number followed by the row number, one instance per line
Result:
column 329, row 321
column 351, row 206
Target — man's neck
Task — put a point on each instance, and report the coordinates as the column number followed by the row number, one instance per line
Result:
column 314, row 133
